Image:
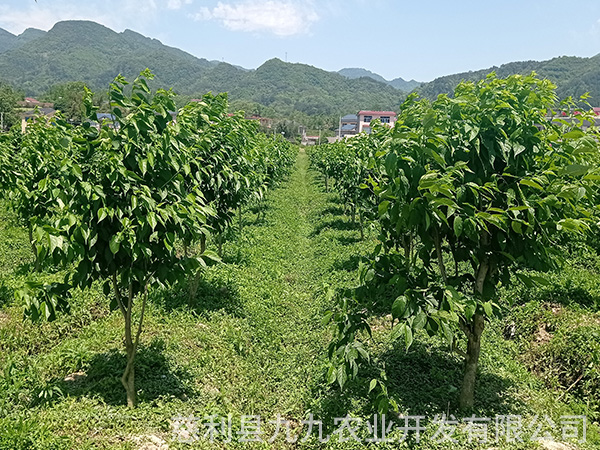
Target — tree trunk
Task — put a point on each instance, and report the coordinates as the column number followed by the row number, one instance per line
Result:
column 440, row 256
column 202, row 244
column 361, row 222
column 131, row 344
column 128, row 378
column 353, row 213
column 240, row 218
column 34, row 249
column 326, row 183
column 467, row 392
column 473, row 331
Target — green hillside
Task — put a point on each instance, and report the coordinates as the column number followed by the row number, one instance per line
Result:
column 574, row 76
column 89, row 52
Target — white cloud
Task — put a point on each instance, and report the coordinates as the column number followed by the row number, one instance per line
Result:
column 280, row 17
column 177, row 4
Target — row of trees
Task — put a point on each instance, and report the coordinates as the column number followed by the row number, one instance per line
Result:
column 130, row 204
column 466, row 192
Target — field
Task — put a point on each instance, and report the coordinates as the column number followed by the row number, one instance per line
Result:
column 252, row 343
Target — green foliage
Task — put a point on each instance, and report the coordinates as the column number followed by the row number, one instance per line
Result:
column 113, row 203
column 8, row 104
column 481, row 183
column 68, row 99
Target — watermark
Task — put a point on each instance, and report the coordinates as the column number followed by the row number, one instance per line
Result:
column 379, row 428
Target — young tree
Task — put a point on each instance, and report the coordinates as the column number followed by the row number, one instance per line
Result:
column 8, row 104
column 129, row 194
column 68, row 98
column 474, row 188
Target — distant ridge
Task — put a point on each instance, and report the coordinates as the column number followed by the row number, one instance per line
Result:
column 574, row 76
column 398, row 83
column 89, row 52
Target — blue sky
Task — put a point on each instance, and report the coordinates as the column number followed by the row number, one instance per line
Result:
column 395, row 38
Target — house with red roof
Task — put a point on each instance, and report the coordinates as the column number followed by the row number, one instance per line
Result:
column 366, row 117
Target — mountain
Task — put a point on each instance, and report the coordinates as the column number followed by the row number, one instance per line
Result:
column 8, row 41
column 28, row 35
column 355, row 72
column 398, row 83
column 574, row 76
column 89, row 52
column 403, row 85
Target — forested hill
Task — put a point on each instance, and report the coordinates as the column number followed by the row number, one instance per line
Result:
column 398, row 83
column 89, row 52
column 574, row 76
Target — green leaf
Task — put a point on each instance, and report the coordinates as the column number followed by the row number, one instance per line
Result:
column 408, row 337
column 101, row 214
column 487, row 307
column 115, row 244
column 383, row 207
column 372, row 385
column 151, row 217
column 399, row 307
column 517, row 226
column 532, row 184
column 576, row 170
column 458, row 226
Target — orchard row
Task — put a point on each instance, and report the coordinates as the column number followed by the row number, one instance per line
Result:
column 466, row 193
column 130, row 202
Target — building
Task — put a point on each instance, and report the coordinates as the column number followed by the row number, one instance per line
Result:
column 265, row 122
column 366, row 117
column 348, row 125
column 310, row 140
column 26, row 116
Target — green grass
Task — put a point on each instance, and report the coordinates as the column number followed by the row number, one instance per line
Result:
column 250, row 343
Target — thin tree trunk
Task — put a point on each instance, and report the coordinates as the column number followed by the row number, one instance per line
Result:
column 202, row 244
column 128, row 378
column 362, row 231
column 37, row 267
column 131, row 344
column 353, row 213
column 241, row 224
column 473, row 331
column 440, row 257
column 326, row 183
column 467, row 392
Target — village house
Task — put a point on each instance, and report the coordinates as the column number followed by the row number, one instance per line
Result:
column 348, row 125
column 366, row 117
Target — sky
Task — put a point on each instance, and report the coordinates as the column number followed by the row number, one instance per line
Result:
column 417, row 39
